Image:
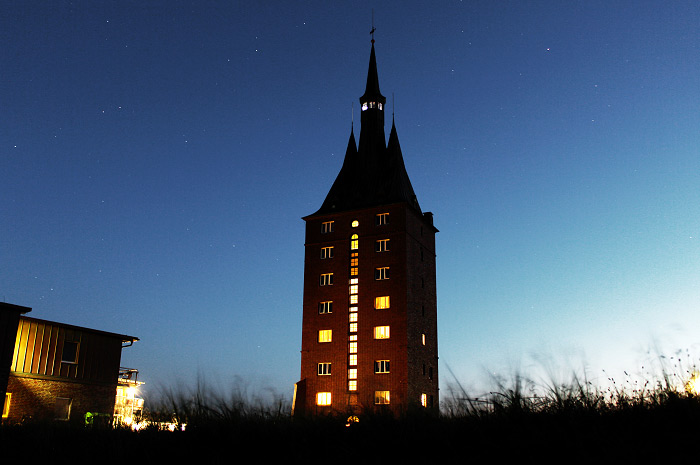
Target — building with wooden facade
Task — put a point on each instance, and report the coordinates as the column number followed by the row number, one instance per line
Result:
column 369, row 329
column 61, row 372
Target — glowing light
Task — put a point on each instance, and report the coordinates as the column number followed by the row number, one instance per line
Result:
column 693, row 385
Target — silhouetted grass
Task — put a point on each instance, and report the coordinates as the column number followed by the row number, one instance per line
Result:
column 643, row 419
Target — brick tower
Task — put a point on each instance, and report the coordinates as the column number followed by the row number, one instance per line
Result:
column 369, row 330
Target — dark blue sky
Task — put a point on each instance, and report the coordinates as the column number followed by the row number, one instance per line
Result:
column 157, row 158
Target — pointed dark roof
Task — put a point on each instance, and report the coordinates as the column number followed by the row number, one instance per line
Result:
column 373, row 174
column 372, row 87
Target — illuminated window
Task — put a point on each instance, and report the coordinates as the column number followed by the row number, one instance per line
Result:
column 6, row 405
column 382, row 218
column 62, row 408
column 353, row 299
column 324, row 369
column 381, row 273
column 422, row 337
column 381, row 366
column 353, row 327
column 381, row 302
column 353, row 337
column 354, row 242
column 382, row 245
column 353, row 259
column 352, row 385
column 381, row 397
column 325, row 335
column 381, row 332
column 380, row 105
column 326, row 252
column 352, row 373
column 355, row 224
column 323, row 398
column 70, row 352
column 352, row 347
column 352, row 360
column 325, row 307
column 327, row 279
column 424, row 400
column 353, row 309
column 327, row 227
column 353, row 289
column 364, row 106
column 353, row 317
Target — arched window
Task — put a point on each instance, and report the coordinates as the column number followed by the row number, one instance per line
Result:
column 354, row 242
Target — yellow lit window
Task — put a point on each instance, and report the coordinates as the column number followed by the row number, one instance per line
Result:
column 353, row 317
column 6, row 406
column 381, row 397
column 355, row 224
column 326, row 227
column 424, row 400
column 353, row 299
column 353, row 327
column 353, row 309
column 352, row 385
column 353, row 271
column 323, row 398
column 352, row 373
column 352, row 360
column 381, row 302
column 352, row 347
column 354, row 260
column 353, row 289
column 353, row 337
column 422, row 337
column 381, row 332
column 354, row 242
column 325, row 335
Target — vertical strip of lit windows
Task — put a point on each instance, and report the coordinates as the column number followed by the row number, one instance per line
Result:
column 353, row 291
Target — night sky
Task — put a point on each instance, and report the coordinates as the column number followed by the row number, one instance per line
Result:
column 157, row 157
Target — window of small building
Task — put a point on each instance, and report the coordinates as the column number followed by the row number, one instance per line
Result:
column 70, row 352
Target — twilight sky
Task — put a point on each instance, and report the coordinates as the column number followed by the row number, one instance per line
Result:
column 157, row 157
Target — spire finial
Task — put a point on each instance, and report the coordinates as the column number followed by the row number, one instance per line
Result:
column 373, row 28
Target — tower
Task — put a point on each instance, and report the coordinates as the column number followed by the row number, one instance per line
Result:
column 369, row 330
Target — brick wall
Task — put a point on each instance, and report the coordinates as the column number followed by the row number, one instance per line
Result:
column 35, row 398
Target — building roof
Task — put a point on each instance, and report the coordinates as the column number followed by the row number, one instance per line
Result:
column 123, row 337
column 372, row 174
